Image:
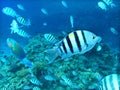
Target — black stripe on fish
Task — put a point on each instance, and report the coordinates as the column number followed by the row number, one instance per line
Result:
column 49, row 37
column 65, row 50
column 84, row 38
column 23, row 20
column 77, row 41
column 69, row 44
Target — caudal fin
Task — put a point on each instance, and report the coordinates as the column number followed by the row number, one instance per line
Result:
column 52, row 54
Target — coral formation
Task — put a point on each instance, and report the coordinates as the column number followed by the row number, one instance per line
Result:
column 76, row 72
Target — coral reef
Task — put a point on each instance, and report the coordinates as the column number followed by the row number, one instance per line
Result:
column 79, row 72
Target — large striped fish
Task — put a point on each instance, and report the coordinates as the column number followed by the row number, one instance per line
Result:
column 79, row 41
column 110, row 82
column 9, row 11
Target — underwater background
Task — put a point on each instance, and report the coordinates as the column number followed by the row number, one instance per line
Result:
column 79, row 72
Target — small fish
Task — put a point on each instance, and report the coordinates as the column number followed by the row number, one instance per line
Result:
column 77, row 42
column 14, row 30
column 20, row 32
column 67, row 82
column 114, row 31
column 36, row 88
column 23, row 33
column 35, row 81
column 23, row 21
column 109, row 3
column 49, row 78
column 9, row 11
column 71, row 21
column 44, row 24
column 50, row 38
column 20, row 6
column 110, row 82
column 44, row 11
column 18, row 51
column 102, row 5
column 99, row 48
column 64, row 4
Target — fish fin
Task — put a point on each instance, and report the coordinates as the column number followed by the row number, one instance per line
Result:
column 52, row 54
column 27, row 62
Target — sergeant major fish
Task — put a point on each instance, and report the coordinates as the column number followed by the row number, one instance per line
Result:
column 10, row 12
column 18, row 51
column 50, row 38
column 23, row 21
column 16, row 29
column 109, row 3
column 102, row 5
column 110, row 82
column 20, row 32
column 77, row 42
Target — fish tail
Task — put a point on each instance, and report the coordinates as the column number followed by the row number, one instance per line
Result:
column 27, row 62
column 52, row 54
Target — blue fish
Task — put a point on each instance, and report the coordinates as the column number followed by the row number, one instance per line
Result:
column 18, row 51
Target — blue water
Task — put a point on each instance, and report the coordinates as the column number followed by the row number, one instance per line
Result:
column 87, row 15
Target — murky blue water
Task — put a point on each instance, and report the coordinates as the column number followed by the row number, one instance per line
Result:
column 86, row 13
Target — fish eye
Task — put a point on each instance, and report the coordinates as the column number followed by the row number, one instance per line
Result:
column 93, row 37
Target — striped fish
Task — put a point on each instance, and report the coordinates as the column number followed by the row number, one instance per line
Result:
column 36, row 88
column 110, row 82
column 35, row 81
column 9, row 11
column 50, row 38
column 23, row 21
column 20, row 32
column 109, row 3
column 79, row 41
column 102, row 5
column 23, row 33
column 67, row 82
